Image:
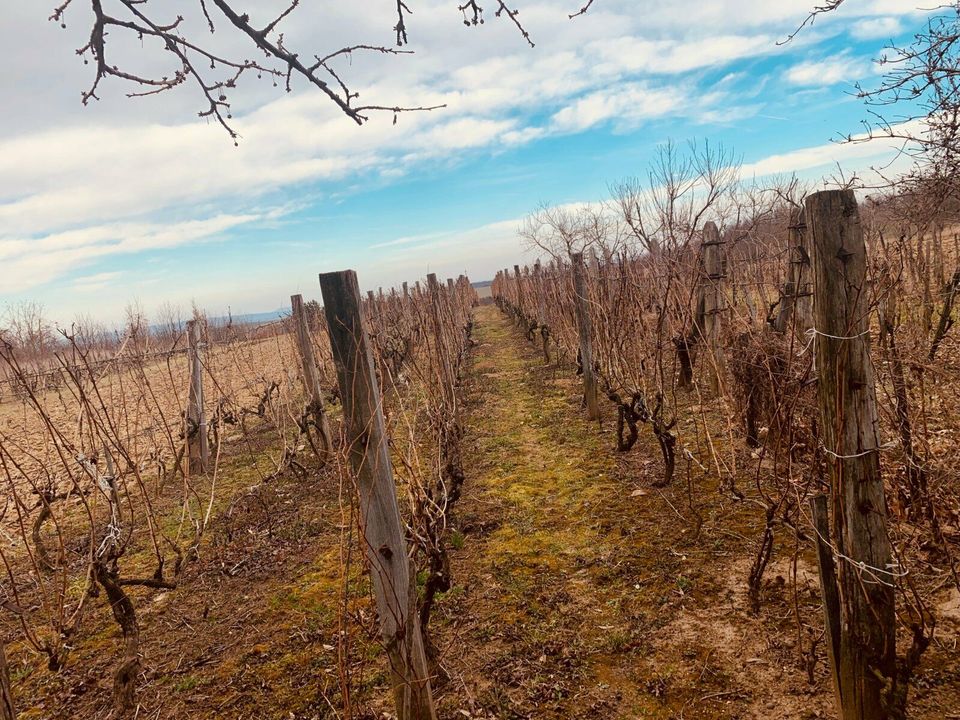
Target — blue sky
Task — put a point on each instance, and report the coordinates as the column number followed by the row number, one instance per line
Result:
column 138, row 199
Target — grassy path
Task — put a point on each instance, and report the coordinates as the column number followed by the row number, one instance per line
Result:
column 543, row 552
column 580, row 589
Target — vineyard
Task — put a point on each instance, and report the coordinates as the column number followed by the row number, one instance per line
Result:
column 697, row 463
column 681, row 442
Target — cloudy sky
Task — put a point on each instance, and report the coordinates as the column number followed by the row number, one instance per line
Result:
column 140, row 199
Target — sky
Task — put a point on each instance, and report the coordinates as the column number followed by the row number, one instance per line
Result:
column 139, row 199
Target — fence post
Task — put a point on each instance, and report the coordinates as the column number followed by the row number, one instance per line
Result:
column 866, row 657
column 198, row 447
column 594, row 261
column 7, row 710
column 311, row 376
column 713, row 269
column 440, row 340
column 380, row 523
column 521, row 317
column 586, row 343
column 803, row 274
column 541, row 310
column 796, row 297
column 828, row 585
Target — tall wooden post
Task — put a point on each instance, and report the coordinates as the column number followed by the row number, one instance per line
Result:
column 198, row 446
column 865, row 656
column 381, row 527
column 541, row 310
column 440, row 341
column 7, row 710
column 507, row 287
column 830, row 592
column 594, row 261
column 803, row 275
column 796, row 301
column 520, row 308
column 311, row 376
column 590, row 398
column 713, row 303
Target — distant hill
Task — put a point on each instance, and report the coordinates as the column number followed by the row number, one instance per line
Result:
column 252, row 318
column 484, row 289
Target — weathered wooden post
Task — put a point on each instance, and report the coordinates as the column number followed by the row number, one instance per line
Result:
column 865, row 652
column 595, row 261
column 521, row 319
column 541, row 311
column 7, row 709
column 380, row 523
column 443, row 355
column 198, row 446
column 796, row 298
column 819, row 514
column 505, row 288
column 590, row 398
column 712, row 289
column 311, row 376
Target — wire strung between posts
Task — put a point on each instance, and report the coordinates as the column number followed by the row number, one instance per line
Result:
column 873, row 573
column 885, row 446
column 868, row 573
column 814, row 332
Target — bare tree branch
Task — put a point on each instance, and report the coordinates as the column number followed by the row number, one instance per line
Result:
column 581, row 11
column 828, row 6
column 214, row 74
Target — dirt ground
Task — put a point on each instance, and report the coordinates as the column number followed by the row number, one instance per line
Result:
column 580, row 591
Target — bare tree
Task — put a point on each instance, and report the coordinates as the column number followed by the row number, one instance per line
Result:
column 28, row 331
column 170, row 324
column 562, row 231
column 683, row 188
column 92, row 336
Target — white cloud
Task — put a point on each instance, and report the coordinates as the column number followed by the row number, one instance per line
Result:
column 29, row 263
column 855, row 156
column 95, row 282
column 820, row 73
column 627, row 104
column 876, row 28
